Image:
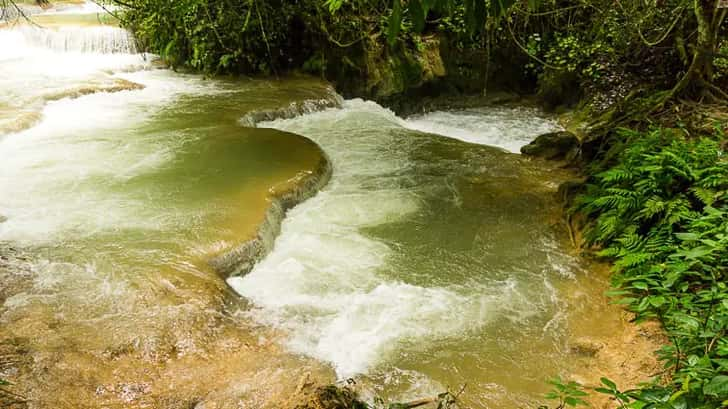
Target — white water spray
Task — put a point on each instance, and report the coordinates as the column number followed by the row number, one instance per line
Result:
column 504, row 127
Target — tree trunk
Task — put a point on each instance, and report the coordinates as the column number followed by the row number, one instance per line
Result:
column 698, row 80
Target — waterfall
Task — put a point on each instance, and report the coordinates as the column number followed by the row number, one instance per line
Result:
column 49, row 62
column 96, row 39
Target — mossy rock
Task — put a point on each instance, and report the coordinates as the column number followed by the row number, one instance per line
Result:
column 553, row 146
column 331, row 397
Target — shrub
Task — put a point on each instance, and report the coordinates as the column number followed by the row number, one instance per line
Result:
column 661, row 213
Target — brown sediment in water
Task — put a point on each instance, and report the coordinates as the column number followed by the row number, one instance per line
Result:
column 15, row 120
column 603, row 339
column 607, row 343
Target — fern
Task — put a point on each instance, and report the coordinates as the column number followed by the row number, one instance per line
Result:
column 661, row 213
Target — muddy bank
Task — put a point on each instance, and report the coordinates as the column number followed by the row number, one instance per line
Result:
column 603, row 337
column 607, row 343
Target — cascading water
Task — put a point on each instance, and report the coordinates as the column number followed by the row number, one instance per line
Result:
column 506, row 127
column 426, row 262
column 97, row 40
column 118, row 184
column 43, row 64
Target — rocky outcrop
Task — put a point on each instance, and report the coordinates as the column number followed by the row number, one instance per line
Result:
column 325, row 397
column 294, row 109
column 560, row 145
column 376, row 71
column 242, row 259
column 411, row 77
column 114, row 85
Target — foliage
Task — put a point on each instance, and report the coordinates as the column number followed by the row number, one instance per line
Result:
column 566, row 393
column 661, row 213
column 600, row 40
column 248, row 36
column 573, row 48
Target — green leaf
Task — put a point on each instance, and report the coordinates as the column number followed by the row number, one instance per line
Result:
column 657, row 301
column 640, row 285
column 718, row 386
column 687, row 236
column 609, row 383
column 333, row 5
column 694, row 253
column 552, row 395
column 395, row 22
column 418, row 14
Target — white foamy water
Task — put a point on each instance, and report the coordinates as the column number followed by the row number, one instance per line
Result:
column 43, row 64
column 55, row 177
column 421, row 258
column 504, row 127
column 331, row 285
column 83, row 8
column 84, row 39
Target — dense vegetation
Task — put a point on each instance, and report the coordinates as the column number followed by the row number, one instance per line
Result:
column 604, row 50
column 661, row 212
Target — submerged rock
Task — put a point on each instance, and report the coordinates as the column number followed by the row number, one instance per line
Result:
column 553, row 146
column 3, row 219
column 117, row 85
column 328, row 397
column 586, row 346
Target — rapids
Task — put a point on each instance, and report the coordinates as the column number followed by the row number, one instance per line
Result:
column 426, row 262
column 129, row 192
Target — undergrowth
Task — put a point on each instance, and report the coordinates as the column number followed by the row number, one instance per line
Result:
column 660, row 212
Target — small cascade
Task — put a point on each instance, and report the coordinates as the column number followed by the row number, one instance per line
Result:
column 98, row 39
column 47, row 63
column 294, row 109
column 504, row 127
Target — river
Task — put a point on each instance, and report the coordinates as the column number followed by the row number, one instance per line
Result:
column 130, row 194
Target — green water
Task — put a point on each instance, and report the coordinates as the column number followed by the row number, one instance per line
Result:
column 426, row 263
column 118, row 202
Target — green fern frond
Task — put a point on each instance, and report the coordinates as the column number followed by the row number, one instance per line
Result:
column 706, row 196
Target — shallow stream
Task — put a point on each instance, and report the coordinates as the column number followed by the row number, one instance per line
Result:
column 430, row 260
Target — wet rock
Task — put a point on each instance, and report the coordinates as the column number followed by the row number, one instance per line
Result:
column 560, row 145
column 117, row 85
column 3, row 219
column 15, row 272
column 312, row 395
column 330, row 397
